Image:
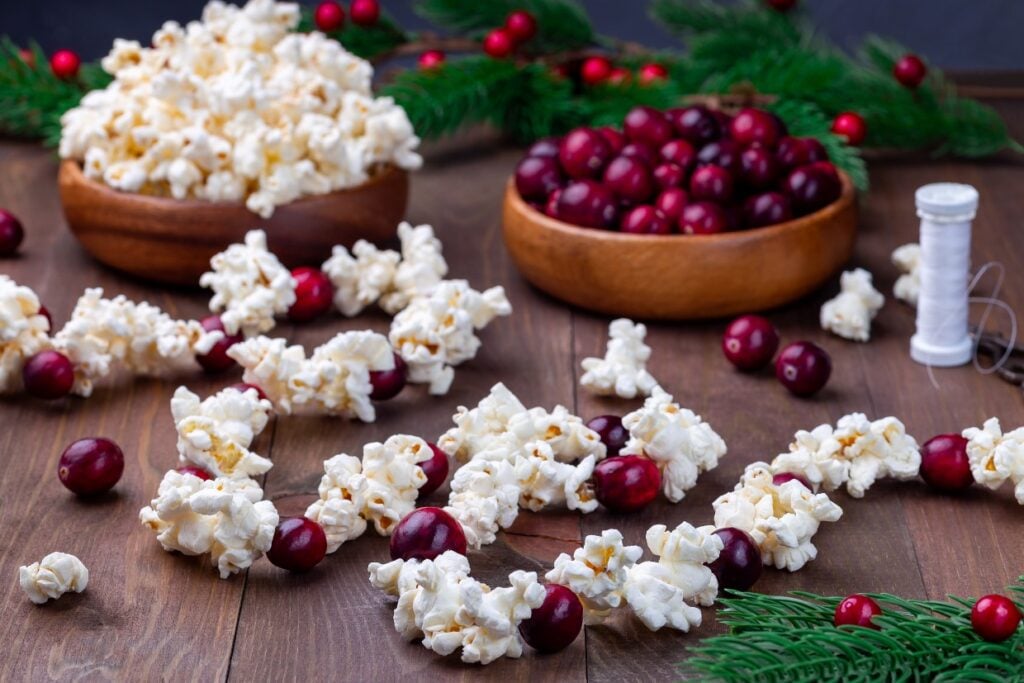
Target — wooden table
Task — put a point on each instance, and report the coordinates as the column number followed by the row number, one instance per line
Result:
column 151, row 615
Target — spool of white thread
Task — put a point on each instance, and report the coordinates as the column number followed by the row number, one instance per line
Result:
column 946, row 211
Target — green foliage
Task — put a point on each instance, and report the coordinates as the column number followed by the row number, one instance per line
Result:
column 368, row 42
column 805, row 119
column 561, row 24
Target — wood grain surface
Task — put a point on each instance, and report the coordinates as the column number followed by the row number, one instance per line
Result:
column 150, row 615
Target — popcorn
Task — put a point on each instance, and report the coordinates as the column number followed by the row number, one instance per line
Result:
column 597, row 573
column 215, row 434
column 908, row 260
column 849, row 314
column 484, row 427
column 421, row 269
column 484, row 497
column 658, row 591
column 856, row 453
column 997, row 456
column 334, row 380
column 23, row 331
column 249, row 285
column 623, row 370
column 490, row 617
column 52, row 577
column 342, row 499
column 436, row 332
column 781, row 519
column 224, row 517
column 543, row 481
column 676, row 439
column 237, row 107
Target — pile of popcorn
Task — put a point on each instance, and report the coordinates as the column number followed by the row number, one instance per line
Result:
column 237, row 107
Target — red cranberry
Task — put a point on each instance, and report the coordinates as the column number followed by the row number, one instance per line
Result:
column 364, row 12
column 65, row 64
column 620, row 75
column 759, row 169
column 48, row 375
column 850, row 125
column 425, row 533
column 739, row 565
column 724, row 121
column 313, row 294
column 551, row 205
column 245, row 386
column 626, row 483
column 815, row 150
column 995, row 618
column 299, row 544
column 678, row 152
column 671, row 202
column 537, row 177
column 768, row 208
column 217, row 359
column 803, row 367
column 793, row 152
column 587, row 203
column 645, row 220
column 782, row 5
column 436, row 470
column 910, row 71
column 91, row 466
column 783, row 477
column 43, row 311
column 944, row 463
column 329, row 16
column 195, row 472
column 754, row 127
column 545, row 147
column 521, row 25
column 11, row 233
column 750, row 342
column 629, row 179
column 724, row 153
column 668, row 175
column 702, row 218
column 613, row 435
column 712, row 183
column 615, row 139
column 812, row 187
column 389, row 383
column 647, row 125
column 595, row 70
column 856, row 610
column 649, row 73
column 733, row 217
column 431, row 59
column 696, row 124
column 584, row 153
column 499, row 43
column 641, row 152
column 554, row 625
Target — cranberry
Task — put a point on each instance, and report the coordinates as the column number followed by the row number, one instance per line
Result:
column 812, row 187
column 389, row 383
column 595, row 70
column 724, row 153
column 767, row 209
column 754, row 127
column 647, row 125
column 669, row 175
column 364, row 12
column 587, row 203
column 678, row 152
column 217, row 359
column 425, row 533
column 436, row 470
column 944, row 463
column 733, row 217
column 615, row 139
column 537, row 177
column 91, row 466
column 640, row 151
column 739, row 565
column 195, row 472
column 43, row 311
column 619, row 75
column 671, row 202
column 554, row 625
column 724, row 121
column 65, row 64
column 245, row 386
column 551, row 205
column 545, row 147
column 431, row 59
column 584, row 153
column 499, row 43
column 783, row 477
column 521, row 25
column 313, row 294
column 645, row 220
column 626, row 483
column 782, row 5
column 613, row 434
column 995, row 617
column 850, row 125
column 629, row 179
column 712, row 183
column 299, row 544
column 329, row 16
column 794, row 152
column 750, row 342
column 48, row 375
column 856, row 610
column 803, row 367
column 11, row 233
column 702, row 218
column 910, row 71
column 649, row 73
column 758, row 167
column 696, row 124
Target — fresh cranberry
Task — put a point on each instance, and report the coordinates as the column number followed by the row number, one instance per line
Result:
column 910, row 71
column 668, row 175
column 650, row 73
column 436, row 470
column 640, row 151
column 195, row 472
column 696, row 124
column 48, row 375
column 856, row 610
column 313, row 294
column 679, row 152
column 329, row 16
column 944, row 463
column 595, row 70
column 65, row 64
column 739, row 565
column 733, row 217
column 812, row 187
column 217, row 359
column 750, row 342
column 584, row 153
column 793, row 152
column 431, row 59
column 647, row 125
column 537, row 177
column 499, row 43
column 815, row 150
column 425, row 533
column 712, row 183
column 43, row 311
column 759, row 169
column 299, row 544
column 11, row 233
column 782, row 5
column 521, row 25
column 364, row 12
column 554, row 625
column 702, row 218
column 551, row 205
column 645, row 220
column 545, row 147
column 626, row 483
column 995, row 618
column 389, row 383
column 613, row 435
column 850, row 125
column 91, row 466
column 783, row 477
column 754, row 127
column 803, row 367
column 671, row 202
column 615, row 139
column 245, row 386
column 587, row 203
column 724, row 153
column 768, row 208
column 620, row 75
column 629, row 179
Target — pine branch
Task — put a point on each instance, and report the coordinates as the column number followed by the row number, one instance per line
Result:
column 561, row 24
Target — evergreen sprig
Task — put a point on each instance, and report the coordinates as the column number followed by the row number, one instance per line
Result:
column 792, row 638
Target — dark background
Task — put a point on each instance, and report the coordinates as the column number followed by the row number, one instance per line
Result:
column 956, row 34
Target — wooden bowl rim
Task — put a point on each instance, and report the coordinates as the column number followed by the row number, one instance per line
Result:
column 825, row 213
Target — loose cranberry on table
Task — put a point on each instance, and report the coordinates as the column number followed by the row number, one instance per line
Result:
column 629, row 179
column 217, row 359
column 702, row 218
column 767, row 208
column 91, row 466
column 750, row 342
column 995, row 617
column 783, row 477
column 313, row 294
column 945, row 465
column 195, row 472
column 679, row 152
column 803, row 367
column 425, row 533
column 813, row 187
column 668, row 175
column 626, row 483
column 587, row 203
column 554, row 625
column 647, row 125
column 696, row 124
column 538, row 177
column 436, row 470
column 595, row 70
column 712, row 183
column 724, row 153
column 48, row 375
column 754, row 127
column 521, row 25
column 389, row 383
column 299, row 544
column 584, row 153
column 739, row 565
column 545, row 147
column 11, row 233
column 645, row 220
column 613, row 435
column 856, row 610
column 758, row 168
column 329, row 16
column 910, row 71
column 671, row 202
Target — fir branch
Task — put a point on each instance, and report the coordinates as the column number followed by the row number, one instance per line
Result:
column 806, row 119
column 562, row 25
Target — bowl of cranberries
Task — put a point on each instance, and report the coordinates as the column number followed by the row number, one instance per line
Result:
column 685, row 213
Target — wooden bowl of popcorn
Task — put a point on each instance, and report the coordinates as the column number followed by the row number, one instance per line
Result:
column 680, row 277
column 170, row 240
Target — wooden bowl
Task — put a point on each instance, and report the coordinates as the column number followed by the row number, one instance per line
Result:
column 170, row 240
column 680, row 277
